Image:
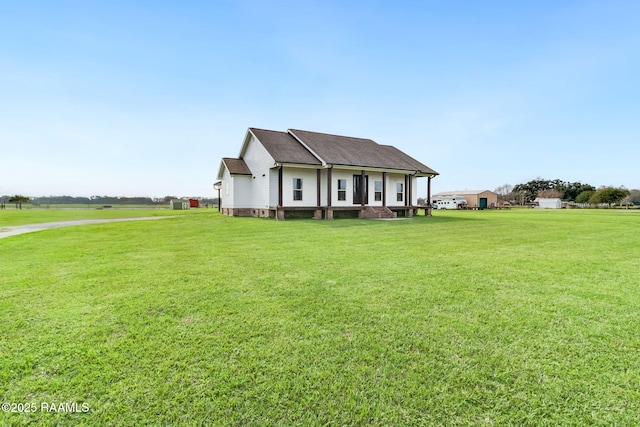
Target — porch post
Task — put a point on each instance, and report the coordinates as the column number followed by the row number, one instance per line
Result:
column 318, row 177
column 280, row 186
column 329, row 214
column 384, row 189
column 428, row 210
column 364, row 185
column 329, row 187
column 406, row 190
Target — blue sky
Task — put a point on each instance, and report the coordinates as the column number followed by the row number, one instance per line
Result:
column 143, row 98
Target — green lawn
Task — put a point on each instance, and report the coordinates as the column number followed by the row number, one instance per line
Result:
column 520, row 317
column 11, row 217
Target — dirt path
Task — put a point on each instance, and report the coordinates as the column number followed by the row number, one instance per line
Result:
column 30, row 228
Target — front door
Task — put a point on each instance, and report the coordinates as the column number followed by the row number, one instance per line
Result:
column 483, row 202
column 360, row 195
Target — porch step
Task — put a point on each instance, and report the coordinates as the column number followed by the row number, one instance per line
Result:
column 378, row 212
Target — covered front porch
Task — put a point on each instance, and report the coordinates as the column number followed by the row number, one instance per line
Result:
column 343, row 191
column 339, row 212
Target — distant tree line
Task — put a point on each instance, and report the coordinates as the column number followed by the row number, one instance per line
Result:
column 98, row 200
column 17, row 199
column 526, row 193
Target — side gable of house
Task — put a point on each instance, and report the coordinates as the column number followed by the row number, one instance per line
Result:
column 284, row 148
column 234, row 166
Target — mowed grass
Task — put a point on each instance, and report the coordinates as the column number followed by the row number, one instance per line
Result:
column 12, row 217
column 465, row 318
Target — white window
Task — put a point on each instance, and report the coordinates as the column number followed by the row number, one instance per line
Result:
column 377, row 188
column 399, row 191
column 297, row 188
column 342, row 189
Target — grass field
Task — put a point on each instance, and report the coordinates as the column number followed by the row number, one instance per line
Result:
column 11, row 217
column 68, row 206
column 466, row 318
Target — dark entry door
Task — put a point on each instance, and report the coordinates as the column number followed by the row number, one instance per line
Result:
column 483, row 202
column 360, row 189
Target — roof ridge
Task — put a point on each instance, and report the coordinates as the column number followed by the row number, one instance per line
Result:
column 267, row 130
column 330, row 134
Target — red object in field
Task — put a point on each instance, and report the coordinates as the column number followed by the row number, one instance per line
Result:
column 194, row 203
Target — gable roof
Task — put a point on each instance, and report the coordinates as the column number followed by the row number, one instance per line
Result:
column 335, row 149
column 236, row 166
column 284, row 148
column 314, row 148
column 350, row 151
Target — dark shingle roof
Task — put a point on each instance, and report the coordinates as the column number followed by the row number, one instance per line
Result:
column 236, row 166
column 334, row 149
column 349, row 151
column 321, row 148
column 284, row 148
column 396, row 158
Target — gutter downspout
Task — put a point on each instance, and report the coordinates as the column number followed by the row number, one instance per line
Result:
column 428, row 213
column 329, row 212
column 279, row 205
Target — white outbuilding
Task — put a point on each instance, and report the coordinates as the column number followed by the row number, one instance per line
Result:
column 549, row 203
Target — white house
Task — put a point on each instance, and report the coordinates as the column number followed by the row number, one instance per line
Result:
column 277, row 173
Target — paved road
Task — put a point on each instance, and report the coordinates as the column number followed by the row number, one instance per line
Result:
column 30, row 228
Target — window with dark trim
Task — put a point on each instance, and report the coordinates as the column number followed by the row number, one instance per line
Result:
column 377, row 189
column 399, row 191
column 297, row 188
column 342, row 189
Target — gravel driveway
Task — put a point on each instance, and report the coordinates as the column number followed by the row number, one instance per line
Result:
column 14, row 230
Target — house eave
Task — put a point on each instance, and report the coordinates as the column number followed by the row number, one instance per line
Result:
column 412, row 172
column 221, row 169
column 245, row 143
column 298, row 165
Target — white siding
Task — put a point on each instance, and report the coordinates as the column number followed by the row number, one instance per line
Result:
column 348, row 176
column 323, row 187
column 309, row 187
column 259, row 162
column 242, row 191
column 335, row 176
column 226, row 193
column 373, row 177
column 235, row 191
column 273, row 187
column 392, row 180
